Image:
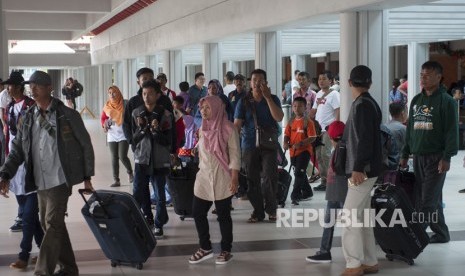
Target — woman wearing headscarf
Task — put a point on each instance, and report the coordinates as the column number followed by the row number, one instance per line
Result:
column 112, row 120
column 217, row 179
column 215, row 89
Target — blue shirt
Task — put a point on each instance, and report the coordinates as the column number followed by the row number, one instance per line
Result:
column 195, row 94
column 264, row 119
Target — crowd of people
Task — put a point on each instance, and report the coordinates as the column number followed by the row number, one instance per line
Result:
column 226, row 128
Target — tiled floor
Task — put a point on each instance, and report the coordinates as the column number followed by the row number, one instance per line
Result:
column 260, row 249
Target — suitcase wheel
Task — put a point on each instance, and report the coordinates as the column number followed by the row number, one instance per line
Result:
column 114, row 264
column 139, row 266
column 182, row 218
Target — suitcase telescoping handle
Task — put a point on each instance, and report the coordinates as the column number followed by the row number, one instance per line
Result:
column 97, row 199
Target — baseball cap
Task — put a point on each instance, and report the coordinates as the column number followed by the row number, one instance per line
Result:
column 15, row 78
column 39, row 77
column 336, row 129
column 360, row 74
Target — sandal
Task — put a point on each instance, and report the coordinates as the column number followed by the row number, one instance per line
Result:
column 253, row 219
column 200, row 255
column 313, row 178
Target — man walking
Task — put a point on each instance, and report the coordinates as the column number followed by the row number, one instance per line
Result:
column 57, row 152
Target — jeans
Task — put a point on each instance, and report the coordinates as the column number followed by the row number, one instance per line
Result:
column 428, row 192
column 332, row 207
column 302, row 188
column 262, row 164
column 119, row 151
column 141, row 193
column 56, row 246
column 31, row 224
column 200, row 209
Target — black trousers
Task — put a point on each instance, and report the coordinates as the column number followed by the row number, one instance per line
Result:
column 200, row 210
column 428, row 192
column 302, row 188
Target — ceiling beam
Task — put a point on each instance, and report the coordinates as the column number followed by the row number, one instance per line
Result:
column 44, row 21
column 39, row 35
column 57, row 6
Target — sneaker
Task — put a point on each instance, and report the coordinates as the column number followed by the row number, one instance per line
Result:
column 17, row 226
column 319, row 257
column 158, row 233
column 131, row 177
column 224, row 257
column 321, row 187
column 200, row 255
column 116, row 184
column 306, row 197
column 294, row 203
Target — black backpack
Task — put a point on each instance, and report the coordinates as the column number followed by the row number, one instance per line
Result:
column 78, row 89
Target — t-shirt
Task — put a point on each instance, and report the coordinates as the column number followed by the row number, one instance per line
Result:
column 296, row 132
column 228, row 88
column 325, row 107
column 5, row 99
column 264, row 119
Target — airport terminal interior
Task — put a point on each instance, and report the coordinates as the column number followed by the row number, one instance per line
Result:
column 104, row 42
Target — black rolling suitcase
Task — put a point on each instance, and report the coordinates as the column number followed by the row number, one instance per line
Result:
column 181, row 186
column 402, row 242
column 403, row 179
column 119, row 227
column 284, row 183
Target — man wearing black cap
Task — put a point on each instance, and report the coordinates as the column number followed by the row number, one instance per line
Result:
column 363, row 165
column 62, row 156
column 239, row 91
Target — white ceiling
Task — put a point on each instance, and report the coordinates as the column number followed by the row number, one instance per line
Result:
column 71, row 19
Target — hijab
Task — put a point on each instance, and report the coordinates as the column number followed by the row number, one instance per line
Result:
column 217, row 130
column 114, row 107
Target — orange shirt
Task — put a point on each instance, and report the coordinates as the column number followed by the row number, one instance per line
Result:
column 296, row 133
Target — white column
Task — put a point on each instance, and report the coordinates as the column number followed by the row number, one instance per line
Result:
column 298, row 63
column 212, row 61
column 125, row 89
column 268, row 57
column 4, row 64
column 176, row 73
column 417, row 55
column 364, row 41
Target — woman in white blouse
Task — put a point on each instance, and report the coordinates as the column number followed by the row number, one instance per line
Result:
column 217, row 179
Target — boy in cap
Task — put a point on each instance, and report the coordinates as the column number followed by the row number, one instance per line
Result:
column 28, row 210
column 336, row 192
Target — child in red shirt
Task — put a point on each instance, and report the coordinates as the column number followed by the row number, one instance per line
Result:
column 298, row 136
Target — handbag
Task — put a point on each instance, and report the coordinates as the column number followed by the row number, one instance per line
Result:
column 339, row 160
column 267, row 138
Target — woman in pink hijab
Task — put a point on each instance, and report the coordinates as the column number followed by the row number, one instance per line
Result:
column 217, row 179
